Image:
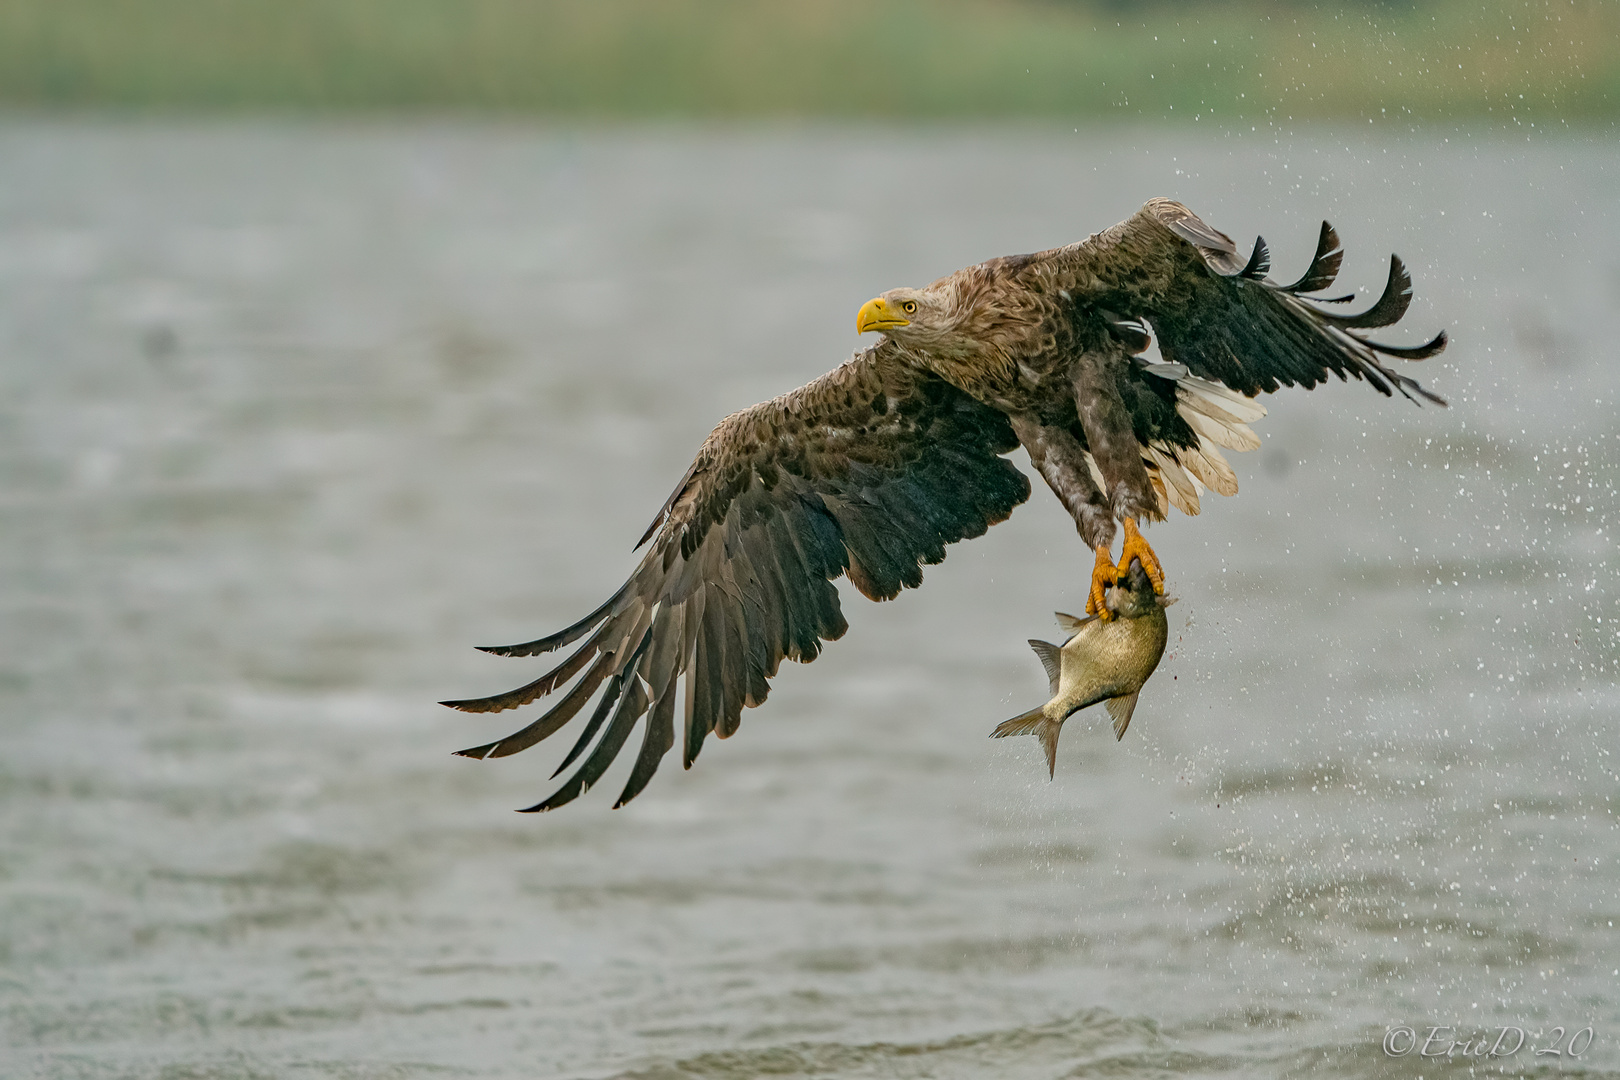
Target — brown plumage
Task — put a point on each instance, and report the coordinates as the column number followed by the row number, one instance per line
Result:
column 872, row 469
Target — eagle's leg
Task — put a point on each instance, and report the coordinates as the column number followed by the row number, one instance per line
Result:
column 1058, row 456
column 1111, row 439
column 1137, row 548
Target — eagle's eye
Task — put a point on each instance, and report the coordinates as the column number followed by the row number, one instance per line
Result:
column 909, row 307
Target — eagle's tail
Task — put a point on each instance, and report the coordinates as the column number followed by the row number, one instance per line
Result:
column 1220, row 418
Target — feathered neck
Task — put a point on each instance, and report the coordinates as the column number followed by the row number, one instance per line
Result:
column 970, row 345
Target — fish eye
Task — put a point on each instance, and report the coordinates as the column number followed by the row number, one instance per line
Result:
column 909, row 307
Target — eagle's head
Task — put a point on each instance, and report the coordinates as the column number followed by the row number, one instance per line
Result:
column 911, row 316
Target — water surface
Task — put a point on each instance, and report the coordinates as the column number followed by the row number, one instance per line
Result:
column 291, row 416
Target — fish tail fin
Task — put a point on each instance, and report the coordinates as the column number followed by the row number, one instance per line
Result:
column 1022, row 724
column 1034, row 722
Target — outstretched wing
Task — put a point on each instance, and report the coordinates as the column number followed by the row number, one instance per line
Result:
column 868, row 471
column 1224, row 319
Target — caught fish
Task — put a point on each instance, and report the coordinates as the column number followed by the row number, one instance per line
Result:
column 1104, row 660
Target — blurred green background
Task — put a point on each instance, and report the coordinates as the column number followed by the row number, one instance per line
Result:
column 1515, row 62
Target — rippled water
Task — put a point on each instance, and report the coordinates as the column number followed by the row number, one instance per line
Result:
column 291, row 416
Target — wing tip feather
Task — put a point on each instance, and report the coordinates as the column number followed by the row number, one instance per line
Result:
column 565, row 636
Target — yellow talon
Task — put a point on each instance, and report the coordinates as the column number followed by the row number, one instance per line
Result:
column 1137, row 548
column 1103, row 576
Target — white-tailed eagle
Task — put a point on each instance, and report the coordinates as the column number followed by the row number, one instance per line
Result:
column 872, row 469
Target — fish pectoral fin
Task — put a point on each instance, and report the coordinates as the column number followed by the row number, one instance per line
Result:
column 1050, row 660
column 1069, row 624
column 1120, row 708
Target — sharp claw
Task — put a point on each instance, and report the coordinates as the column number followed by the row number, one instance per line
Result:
column 1135, row 547
column 1102, row 576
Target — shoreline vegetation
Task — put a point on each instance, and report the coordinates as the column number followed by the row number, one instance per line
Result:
column 1265, row 61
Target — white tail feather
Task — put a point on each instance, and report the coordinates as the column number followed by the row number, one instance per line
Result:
column 1233, row 436
column 1182, row 489
column 1158, row 487
column 1204, row 407
column 1206, row 463
column 1242, row 409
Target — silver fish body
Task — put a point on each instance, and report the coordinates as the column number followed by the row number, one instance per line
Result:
column 1105, row 660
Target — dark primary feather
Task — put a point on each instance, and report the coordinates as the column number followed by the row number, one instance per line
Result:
column 1259, row 264
column 1219, row 315
column 1324, row 264
column 869, row 471
column 566, row 636
column 1391, row 305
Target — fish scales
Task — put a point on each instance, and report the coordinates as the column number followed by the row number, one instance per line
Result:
column 1104, row 660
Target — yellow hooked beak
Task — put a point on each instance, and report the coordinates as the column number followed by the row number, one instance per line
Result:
column 876, row 314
